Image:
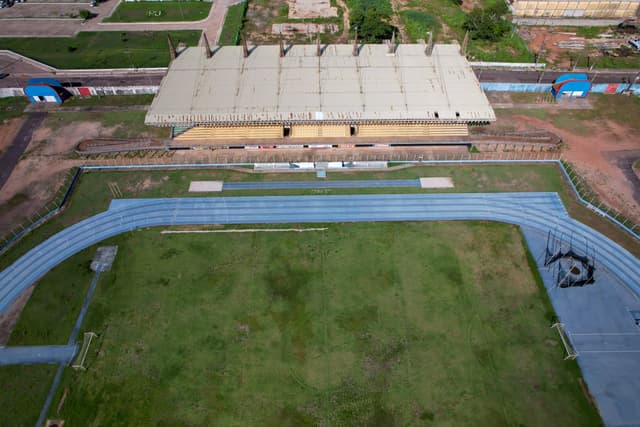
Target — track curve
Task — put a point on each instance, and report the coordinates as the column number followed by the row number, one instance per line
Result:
column 538, row 211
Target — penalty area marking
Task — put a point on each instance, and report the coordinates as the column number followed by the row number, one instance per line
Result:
column 205, row 186
column 436, row 182
column 245, row 230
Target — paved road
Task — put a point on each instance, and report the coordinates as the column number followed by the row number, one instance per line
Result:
column 18, row 76
column 37, row 354
column 11, row 156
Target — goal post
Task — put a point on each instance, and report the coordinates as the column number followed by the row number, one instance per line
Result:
column 78, row 362
column 569, row 350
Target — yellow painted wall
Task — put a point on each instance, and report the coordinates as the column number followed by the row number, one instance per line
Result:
column 413, row 130
column 587, row 9
column 199, row 134
column 315, row 131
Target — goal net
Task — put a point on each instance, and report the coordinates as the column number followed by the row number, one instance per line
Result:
column 568, row 348
column 78, row 363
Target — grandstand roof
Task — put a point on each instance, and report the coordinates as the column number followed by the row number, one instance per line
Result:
column 303, row 87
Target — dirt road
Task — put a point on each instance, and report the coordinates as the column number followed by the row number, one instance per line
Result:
column 14, row 151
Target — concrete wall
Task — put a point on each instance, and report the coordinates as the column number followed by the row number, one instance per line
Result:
column 542, row 87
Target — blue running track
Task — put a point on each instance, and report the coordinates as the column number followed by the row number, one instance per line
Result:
column 597, row 318
column 284, row 185
column 35, row 354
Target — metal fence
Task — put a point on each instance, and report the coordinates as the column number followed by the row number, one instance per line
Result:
column 50, row 209
column 592, row 201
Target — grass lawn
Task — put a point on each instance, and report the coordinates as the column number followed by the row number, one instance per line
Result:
column 233, row 21
column 109, row 100
column 127, row 124
column 12, row 107
column 620, row 109
column 360, row 324
column 151, row 11
column 102, row 49
column 445, row 19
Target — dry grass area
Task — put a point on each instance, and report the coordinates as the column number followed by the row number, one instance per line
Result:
column 43, row 167
column 602, row 143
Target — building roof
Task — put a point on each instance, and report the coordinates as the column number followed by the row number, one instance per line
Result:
column 571, row 76
column 302, row 87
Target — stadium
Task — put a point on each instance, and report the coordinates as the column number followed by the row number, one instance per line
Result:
column 269, row 303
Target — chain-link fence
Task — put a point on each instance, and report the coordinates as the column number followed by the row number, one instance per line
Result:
column 244, row 158
column 593, row 201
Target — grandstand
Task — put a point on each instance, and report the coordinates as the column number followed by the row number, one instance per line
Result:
column 309, row 92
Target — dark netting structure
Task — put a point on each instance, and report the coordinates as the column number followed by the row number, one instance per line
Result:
column 572, row 266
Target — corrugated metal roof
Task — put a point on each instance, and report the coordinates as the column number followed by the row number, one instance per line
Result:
column 301, row 86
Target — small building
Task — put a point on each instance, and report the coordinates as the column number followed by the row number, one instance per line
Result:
column 45, row 90
column 571, row 85
column 575, row 8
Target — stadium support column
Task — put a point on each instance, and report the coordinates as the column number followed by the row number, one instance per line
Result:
column 172, row 49
column 429, row 50
column 355, row 44
column 463, row 49
column 392, row 44
column 245, row 48
column 207, row 48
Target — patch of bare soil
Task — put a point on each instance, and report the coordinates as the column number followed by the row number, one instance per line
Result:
column 595, row 156
column 40, row 172
column 9, row 318
column 36, row 181
column 8, row 131
column 469, row 5
column 146, row 184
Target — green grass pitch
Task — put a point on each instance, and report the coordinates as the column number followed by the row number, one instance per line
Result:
column 152, row 11
column 360, row 324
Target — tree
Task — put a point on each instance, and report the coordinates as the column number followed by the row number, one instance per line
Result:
column 372, row 23
column 488, row 24
column 85, row 14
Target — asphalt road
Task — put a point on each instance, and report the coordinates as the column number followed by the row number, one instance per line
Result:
column 508, row 76
column 10, row 158
column 154, row 78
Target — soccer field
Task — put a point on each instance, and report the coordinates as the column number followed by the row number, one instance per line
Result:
column 357, row 324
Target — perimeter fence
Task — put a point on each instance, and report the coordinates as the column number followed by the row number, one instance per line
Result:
column 584, row 193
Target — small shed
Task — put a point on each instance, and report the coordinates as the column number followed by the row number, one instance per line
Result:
column 571, row 85
column 45, row 90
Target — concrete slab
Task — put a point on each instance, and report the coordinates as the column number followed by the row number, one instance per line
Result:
column 103, row 259
column 436, row 182
column 205, row 186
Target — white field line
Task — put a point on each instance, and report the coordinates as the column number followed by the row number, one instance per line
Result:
column 245, row 230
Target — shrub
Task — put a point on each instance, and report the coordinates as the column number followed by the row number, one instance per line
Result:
column 85, row 14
